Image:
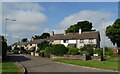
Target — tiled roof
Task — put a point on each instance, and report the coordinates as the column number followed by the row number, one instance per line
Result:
column 73, row 36
column 36, row 41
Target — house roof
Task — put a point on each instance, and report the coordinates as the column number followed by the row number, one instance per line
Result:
column 20, row 43
column 37, row 41
column 73, row 36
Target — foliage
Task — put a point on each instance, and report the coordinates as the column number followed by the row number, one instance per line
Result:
column 118, row 51
column 108, row 51
column 59, row 50
column 73, row 50
column 43, row 36
column 88, row 49
column 113, row 33
column 16, row 48
column 47, row 51
column 24, row 40
column 98, row 51
column 4, row 47
column 9, row 48
column 43, row 45
column 83, row 25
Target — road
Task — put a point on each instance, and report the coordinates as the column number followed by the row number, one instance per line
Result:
column 38, row 64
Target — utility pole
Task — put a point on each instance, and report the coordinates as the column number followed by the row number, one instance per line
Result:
column 103, row 55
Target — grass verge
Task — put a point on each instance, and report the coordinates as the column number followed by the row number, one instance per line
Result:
column 95, row 64
column 8, row 67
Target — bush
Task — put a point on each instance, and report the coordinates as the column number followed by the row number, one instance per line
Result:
column 59, row 50
column 88, row 49
column 108, row 51
column 47, row 51
column 98, row 51
column 43, row 45
column 73, row 50
column 16, row 48
column 118, row 51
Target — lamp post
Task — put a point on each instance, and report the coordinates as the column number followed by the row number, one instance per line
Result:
column 6, row 24
column 103, row 55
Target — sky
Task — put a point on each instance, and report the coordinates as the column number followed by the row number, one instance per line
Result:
column 35, row 18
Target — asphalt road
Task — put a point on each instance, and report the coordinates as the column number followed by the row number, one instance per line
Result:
column 38, row 64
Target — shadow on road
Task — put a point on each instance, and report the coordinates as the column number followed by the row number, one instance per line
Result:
column 14, row 58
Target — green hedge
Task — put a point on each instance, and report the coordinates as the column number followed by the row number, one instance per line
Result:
column 73, row 51
column 59, row 50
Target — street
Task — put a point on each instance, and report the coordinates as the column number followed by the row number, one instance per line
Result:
column 39, row 64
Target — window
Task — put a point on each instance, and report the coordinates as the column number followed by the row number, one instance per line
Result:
column 81, row 41
column 90, row 40
column 65, row 41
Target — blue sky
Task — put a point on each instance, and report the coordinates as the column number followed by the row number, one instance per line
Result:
column 34, row 18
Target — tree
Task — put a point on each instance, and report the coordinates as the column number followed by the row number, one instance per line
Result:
column 24, row 40
column 113, row 32
column 43, row 45
column 84, row 25
column 44, row 35
column 3, row 43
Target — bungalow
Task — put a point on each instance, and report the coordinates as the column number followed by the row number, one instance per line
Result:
column 76, row 39
column 19, row 45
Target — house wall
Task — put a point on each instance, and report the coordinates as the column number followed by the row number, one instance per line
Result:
column 33, row 45
column 86, row 41
column 56, row 42
column 69, row 42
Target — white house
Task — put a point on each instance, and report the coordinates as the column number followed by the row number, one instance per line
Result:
column 33, row 45
column 76, row 39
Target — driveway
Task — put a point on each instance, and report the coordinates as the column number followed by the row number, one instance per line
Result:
column 38, row 64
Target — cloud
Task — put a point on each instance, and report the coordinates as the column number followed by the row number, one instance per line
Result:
column 28, row 16
column 96, row 17
column 93, row 16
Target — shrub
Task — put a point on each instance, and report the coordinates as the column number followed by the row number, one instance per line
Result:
column 98, row 51
column 73, row 50
column 16, row 48
column 108, row 51
column 118, row 51
column 59, row 50
column 43, row 45
column 47, row 51
column 88, row 49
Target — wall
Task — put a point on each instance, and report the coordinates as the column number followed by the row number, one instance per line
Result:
column 86, row 41
column 56, row 42
column 69, row 42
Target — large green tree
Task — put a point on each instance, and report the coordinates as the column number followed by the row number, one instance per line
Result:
column 24, row 40
column 113, row 32
column 42, row 36
column 84, row 25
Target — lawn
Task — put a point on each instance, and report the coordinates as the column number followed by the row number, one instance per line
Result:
column 95, row 64
column 112, row 59
column 10, row 67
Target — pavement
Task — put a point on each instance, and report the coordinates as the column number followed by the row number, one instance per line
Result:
column 39, row 64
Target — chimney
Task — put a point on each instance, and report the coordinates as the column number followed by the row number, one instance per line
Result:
column 65, row 32
column 80, row 31
column 52, row 33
